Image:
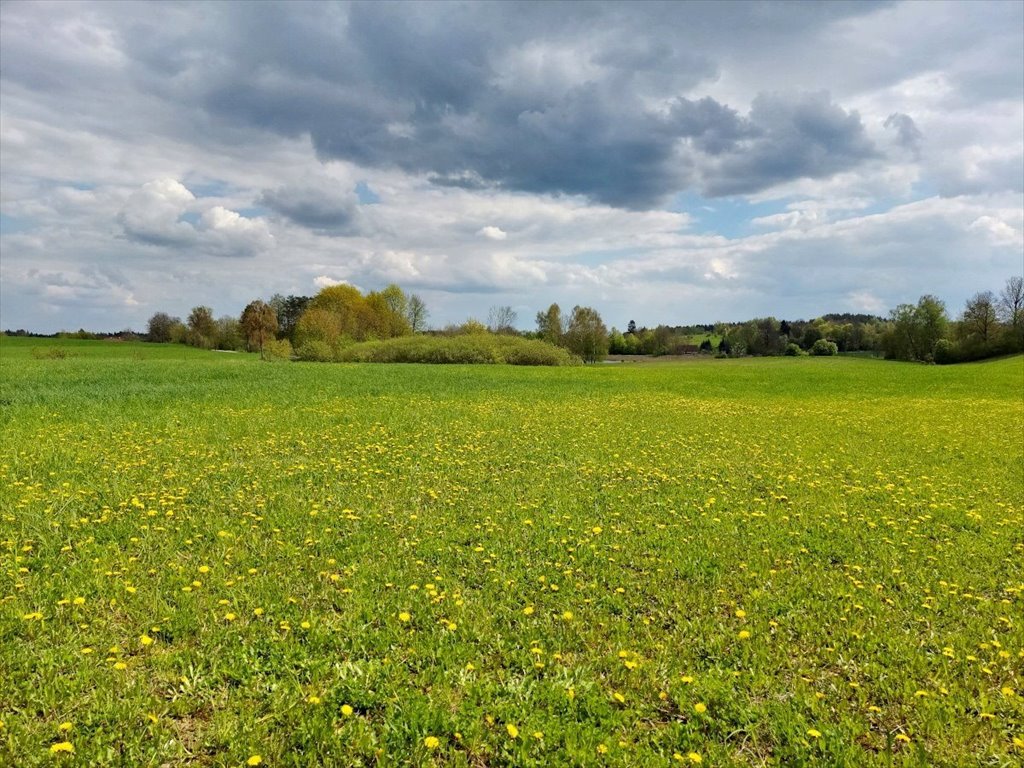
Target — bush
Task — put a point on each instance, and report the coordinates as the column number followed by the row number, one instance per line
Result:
column 277, row 349
column 482, row 348
column 793, row 350
column 824, row 348
column 315, row 350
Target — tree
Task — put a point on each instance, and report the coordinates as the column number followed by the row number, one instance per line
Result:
column 259, row 323
column 202, row 328
column 914, row 330
column 416, row 314
column 502, row 320
column 551, row 325
column 1011, row 309
column 288, row 310
column 979, row 318
column 631, row 327
column 587, row 335
column 162, row 328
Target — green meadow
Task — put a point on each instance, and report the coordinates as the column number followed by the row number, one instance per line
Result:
column 208, row 560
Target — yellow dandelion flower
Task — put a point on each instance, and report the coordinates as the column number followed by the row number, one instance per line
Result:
column 695, row 758
column 740, row 613
column 743, row 634
column 146, row 640
column 513, row 732
column 229, row 617
column 602, row 749
column 62, row 746
column 814, row 733
column 346, row 710
column 314, row 700
column 405, row 616
column 528, row 610
column 79, row 601
column 567, row 615
column 700, row 708
column 431, row 742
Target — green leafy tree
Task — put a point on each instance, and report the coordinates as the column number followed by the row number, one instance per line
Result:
column 163, row 328
column 551, row 326
column 587, row 335
column 202, row 328
column 259, row 324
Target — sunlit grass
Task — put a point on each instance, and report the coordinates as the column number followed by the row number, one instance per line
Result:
column 778, row 561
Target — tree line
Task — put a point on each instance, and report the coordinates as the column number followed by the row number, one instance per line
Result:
column 319, row 327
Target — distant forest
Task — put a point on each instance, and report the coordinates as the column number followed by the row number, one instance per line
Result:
column 331, row 324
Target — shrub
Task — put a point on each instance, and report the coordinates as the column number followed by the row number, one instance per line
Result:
column 277, row 349
column 315, row 350
column 793, row 350
column 824, row 348
column 477, row 348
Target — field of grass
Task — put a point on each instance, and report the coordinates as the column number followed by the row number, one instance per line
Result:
column 208, row 560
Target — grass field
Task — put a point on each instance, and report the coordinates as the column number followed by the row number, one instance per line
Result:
column 208, row 560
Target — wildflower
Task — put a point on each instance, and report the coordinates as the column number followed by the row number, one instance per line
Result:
column 65, row 727
column 316, row 700
column 346, row 710
column 694, row 758
column 431, row 742
column 254, row 760
column 62, row 746
column 405, row 616
column 146, row 640
column 513, row 732
column 740, row 613
column 528, row 610
column 700, row 708
column 814, row 733
column 743, row 635
column 567, row 615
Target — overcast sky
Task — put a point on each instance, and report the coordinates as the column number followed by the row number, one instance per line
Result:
column 665, row 163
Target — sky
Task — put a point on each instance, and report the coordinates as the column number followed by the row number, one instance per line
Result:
column 669, row 163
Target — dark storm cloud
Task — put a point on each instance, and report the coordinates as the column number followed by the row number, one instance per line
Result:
column 805, row 137
column 542, row 98
column 320, row 208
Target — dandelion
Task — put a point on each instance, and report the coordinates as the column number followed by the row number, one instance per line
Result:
column 528, row 610
column 431, row 742
column 740, row 613
column 62, row 746
column 694, row 758
column 814, row 733
column 405, row 616
column 700, row 708
column 254, row 760
column 229, row 617
column 346, row 710
column 567, row 615
column 316, row 700
column 602, row 749
column 513, row 732
column 146, row 640
column 743, row 635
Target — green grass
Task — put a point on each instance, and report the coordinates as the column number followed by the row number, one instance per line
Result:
column 862, row 520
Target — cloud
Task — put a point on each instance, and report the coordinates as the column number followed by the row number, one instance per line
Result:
column 908, row 135
column 492, row 233
column 152, row 215
column 325, row 207
column 155, row 215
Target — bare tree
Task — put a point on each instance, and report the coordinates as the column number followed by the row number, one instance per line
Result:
column 416, row 313
column 979, row 317
column 1011, row 302
column 502, row 319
